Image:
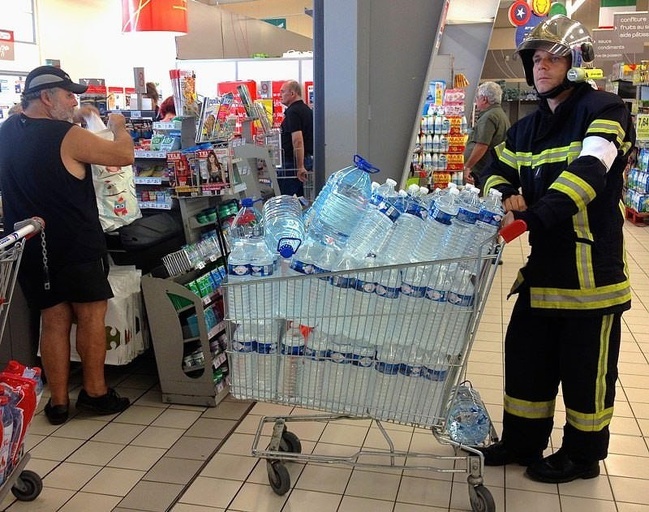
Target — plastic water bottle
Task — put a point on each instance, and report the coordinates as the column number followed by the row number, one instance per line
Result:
column 373, row 229
column 309, row 299
column 460, row 304
column 343, row 294
column 385, row 396
column 243, row 359
column 7, row 433
column 334, row 382
column 344, row 206
column 316, row 361
column 364, row 304
column 433, row 243
column 359, row 377
column 383, row 192
column 283, row 225
column 266, row 360
column 489, row 220
column 432, row 397
column 463, row 227
column 289, row 380
column 468, row 421
column 410, row 371
column 249, row 259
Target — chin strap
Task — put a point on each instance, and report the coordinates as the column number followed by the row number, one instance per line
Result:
column 553, row 93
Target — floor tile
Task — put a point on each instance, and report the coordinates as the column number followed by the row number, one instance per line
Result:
column 151, row 496
column 139, row 415
column 330, row 479
column 119, row 433
column 310, row 500
column 238, row 466
column 174, row 418
column 587, row 505
column 174, row 471
column 95, row 452
column 56, row 448
column 48, row 500
column 114, row 481
column 70, row 476
column 424, row 491
column 211, row 492
column 198, row 448
column 213, row 428
column 158, row 437
column 228, row 410
column 85, row 501
column 141, row 458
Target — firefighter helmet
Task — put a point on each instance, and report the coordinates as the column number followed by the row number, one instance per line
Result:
column 561, row 36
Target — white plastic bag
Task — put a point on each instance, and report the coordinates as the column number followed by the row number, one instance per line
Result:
column 114, row 186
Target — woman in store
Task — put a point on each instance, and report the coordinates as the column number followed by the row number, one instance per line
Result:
column 167, row 109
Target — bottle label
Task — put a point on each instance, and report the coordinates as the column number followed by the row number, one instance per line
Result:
column 416, row 292
column 343, row 281
column 491, row 218
column 467, row 216
column 305, row 268
column 244, row 346
column 434, row 374
column 410, row 370
column 362, row 361
column 387, row 368
column 339, row 357
column 389, row 211
column 266, row 348
column 364, row 286
column 387, row 292
column 435, row 295
column 316, row 355
column 465, row 301
column 261, row 270
column 441, row 216
column 292, row 350
column 238, row 269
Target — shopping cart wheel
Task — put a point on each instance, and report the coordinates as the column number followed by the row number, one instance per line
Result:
column 28, row 486
column 290, row 443
column 481, row 499
column 278, row 477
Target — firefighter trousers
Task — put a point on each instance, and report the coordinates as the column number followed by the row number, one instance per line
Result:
column 581, row 354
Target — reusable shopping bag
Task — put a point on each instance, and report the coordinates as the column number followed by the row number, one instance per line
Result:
column 114, row 186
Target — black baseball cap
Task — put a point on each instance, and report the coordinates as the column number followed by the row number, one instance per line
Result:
column 45, row 77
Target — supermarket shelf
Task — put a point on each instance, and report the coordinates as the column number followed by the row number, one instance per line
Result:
column 159, row 155
column 151, row 180
column 153, row 205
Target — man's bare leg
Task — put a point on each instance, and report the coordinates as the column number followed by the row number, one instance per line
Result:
column 91, row 344
column 55, row 350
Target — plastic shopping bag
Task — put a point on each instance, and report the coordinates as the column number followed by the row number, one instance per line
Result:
column 114, row 186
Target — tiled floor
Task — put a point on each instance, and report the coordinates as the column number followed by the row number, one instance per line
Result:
column 155, row 457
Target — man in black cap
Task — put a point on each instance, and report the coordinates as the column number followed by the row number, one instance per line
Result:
column 45, row 172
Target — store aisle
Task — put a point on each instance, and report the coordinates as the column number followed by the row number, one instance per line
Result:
column 155, row 457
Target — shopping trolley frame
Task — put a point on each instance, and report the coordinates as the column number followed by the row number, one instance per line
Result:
column 24, row 484
column 285, row 446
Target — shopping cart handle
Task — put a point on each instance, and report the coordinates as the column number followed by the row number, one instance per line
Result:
column 513, row 230
column 23, row 229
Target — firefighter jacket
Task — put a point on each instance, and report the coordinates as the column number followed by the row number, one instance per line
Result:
column 575, row 214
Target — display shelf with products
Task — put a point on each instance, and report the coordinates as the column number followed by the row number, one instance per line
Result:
column 188, row 330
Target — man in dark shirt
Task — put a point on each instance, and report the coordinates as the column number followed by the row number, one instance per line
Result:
column 45, row 172
column 297, row 140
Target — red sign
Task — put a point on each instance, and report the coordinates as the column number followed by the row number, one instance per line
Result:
column 154, row 15
column 6, row 45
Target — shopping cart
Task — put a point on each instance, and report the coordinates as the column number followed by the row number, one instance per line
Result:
column 372, row 351
column 25, row 484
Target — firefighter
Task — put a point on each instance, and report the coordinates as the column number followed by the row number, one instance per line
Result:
column 560, row 170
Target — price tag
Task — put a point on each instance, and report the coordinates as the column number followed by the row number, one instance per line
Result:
column 642, row 126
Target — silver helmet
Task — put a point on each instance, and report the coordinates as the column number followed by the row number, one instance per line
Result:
column 561, row 36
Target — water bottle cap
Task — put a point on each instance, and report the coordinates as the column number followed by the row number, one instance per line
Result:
column 391, row 182
column 286, row 251
column 364, row 165
column 247, row 202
